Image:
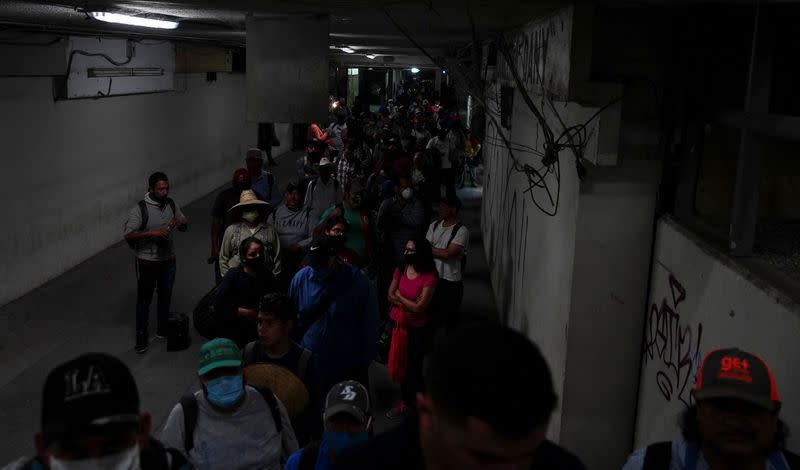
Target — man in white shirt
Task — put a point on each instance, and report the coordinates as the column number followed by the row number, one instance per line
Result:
column 232, row 425
column 443, row 147
column 449, row 239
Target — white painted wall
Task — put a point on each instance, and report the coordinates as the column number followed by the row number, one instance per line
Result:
column 530, row 254
column 701, row 300
column 72, row 169
column 609, row 293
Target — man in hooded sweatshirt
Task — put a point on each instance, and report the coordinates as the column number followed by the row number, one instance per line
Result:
column 148, row 230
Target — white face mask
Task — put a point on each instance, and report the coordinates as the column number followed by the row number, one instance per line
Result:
column 125, row 460
column 250, row 216
column 406, row 193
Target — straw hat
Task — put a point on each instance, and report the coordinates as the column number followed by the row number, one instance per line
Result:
column 289, row 389
column 249, row 198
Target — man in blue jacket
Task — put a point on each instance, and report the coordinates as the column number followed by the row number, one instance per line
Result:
column 337, row 315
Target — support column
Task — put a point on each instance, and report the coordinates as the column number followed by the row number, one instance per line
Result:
column 748, row 173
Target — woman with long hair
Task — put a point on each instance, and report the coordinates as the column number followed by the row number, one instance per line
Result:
column 410, row 294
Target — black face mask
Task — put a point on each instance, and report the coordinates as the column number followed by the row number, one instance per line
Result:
column 410, row 259
column 337, row 241
column 254, row 263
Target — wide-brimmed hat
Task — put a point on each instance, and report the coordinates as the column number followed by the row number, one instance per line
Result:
column 289, row 389
column 249, row 198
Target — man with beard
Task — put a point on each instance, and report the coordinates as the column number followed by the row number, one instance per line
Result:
column 148, row 230
column 733, row 425
column 221, row 218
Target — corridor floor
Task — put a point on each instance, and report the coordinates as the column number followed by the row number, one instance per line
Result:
column 91, row 309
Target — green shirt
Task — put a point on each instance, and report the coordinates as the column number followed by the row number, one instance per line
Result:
column 355, row 232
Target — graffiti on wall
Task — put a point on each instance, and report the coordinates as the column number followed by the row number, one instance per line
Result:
column 673, row 346
column 508, row 227
column 542, row 54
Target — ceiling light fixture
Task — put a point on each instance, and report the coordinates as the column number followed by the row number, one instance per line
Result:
column 125, row 72
column 132, row 20
column 371, row 56
column 348, row 50
column 414, row 70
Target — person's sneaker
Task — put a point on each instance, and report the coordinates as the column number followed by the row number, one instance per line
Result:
column 397, row 411
column 141, row 343
column 160, row 337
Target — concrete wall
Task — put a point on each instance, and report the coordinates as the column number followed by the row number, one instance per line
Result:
column 700, row 300
column 72, row 169
column 608, row 292
column 530, row 253
column 576, row 282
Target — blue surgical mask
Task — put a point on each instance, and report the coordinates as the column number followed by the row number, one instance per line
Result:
column 338, row 441
column 225, row 391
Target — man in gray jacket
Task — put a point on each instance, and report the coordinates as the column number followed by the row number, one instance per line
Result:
column 148, row 230
column 293, row 223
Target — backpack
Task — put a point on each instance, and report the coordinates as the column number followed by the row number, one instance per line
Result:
column 145, row 216
column 249, row 356
column 659, row 457
column 453, row 234
column 313, row 186
column 189, row 404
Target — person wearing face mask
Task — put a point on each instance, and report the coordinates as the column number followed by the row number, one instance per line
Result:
column 250, row 216
column 221, row 219
column 401, row 218
column 335, row 228
column 410, row 293
column 237, row 296
column 91, row 420
column 358, row 237
column 323, row 191
column 228, row 424
column 347, row 423
column 337, row 315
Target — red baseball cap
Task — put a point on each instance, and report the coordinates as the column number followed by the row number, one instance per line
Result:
column 241, row 175
column 733, row 373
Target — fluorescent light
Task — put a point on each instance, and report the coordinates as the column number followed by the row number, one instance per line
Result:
column 414, row 70
column 125, row 72
column 371, row 56
column 133, row 20
column 348, row 50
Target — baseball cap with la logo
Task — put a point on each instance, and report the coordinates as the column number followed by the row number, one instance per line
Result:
column 733, row 373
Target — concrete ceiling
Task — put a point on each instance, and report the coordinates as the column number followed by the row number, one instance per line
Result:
column 438, row 25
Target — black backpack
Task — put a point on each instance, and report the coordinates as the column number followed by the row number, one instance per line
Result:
column 145, row 216
column 190, row 410
column 659, row 457
column 453, row 234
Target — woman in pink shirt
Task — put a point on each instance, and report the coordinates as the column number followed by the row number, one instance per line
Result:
column 410, row 294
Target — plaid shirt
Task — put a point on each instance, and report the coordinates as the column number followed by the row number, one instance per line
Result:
column 345, row 171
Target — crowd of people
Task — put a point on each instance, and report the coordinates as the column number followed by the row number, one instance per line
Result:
column 360, row 259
